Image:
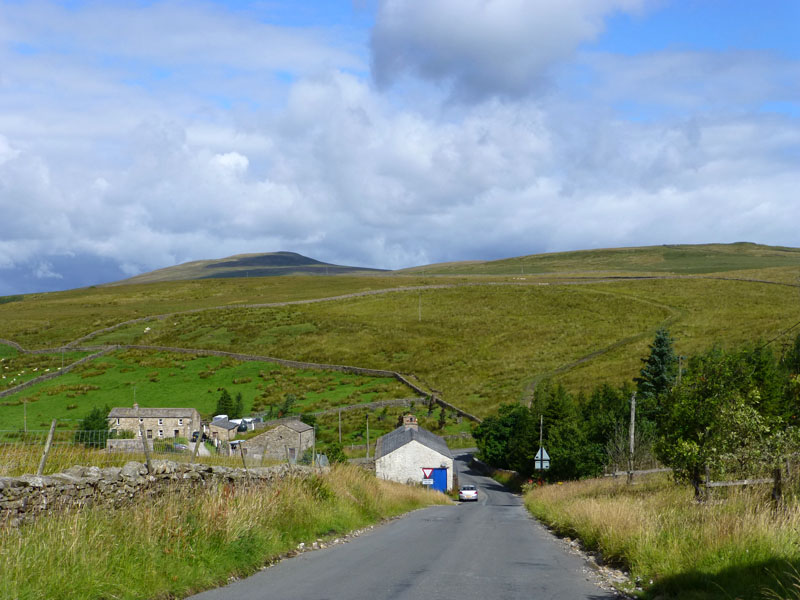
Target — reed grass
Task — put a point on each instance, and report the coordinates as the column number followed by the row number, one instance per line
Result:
column 736, row 545
column 179, row 544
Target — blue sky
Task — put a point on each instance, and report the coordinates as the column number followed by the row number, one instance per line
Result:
column 388, row 133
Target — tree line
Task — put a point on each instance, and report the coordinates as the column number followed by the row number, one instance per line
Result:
column 725, row 412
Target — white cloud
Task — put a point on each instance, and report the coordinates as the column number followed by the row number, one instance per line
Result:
column 484, row 48
column 44, row 270
column 92, row 166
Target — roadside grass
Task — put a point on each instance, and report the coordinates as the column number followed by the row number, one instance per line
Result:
column 733, row 546
column 158, row 379
column 178, row 544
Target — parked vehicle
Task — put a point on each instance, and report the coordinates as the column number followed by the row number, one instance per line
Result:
column 467, row 493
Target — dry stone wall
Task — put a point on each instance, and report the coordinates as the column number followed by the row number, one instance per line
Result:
column 23, row 498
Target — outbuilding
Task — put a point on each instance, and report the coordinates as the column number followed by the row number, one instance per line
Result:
column 289, row 438
column 413, row 455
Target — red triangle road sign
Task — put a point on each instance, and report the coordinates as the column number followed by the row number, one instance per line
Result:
column 427, row 472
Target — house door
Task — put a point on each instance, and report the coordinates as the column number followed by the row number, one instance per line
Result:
column 440, row 480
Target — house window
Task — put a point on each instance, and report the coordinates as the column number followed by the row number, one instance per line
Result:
column 160, row 433
column 141, row 420
column 180, row 421
column 161, row 421
column 149, row 434
column 117, row 420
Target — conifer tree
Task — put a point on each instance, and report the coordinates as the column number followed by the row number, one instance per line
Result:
column 225, row 404
column 658, row 373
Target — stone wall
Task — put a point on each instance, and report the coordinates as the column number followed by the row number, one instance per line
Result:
column 23, row 498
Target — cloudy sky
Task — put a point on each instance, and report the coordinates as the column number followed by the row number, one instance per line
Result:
column 140, row 134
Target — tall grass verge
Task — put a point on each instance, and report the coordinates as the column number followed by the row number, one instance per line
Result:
column 735, row 546
column 182, row 543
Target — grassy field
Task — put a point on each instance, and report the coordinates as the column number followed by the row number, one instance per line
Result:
column 17, row 368
column 733, row 546
column 178, row 544
column 482, row 341
column 48, row 320
column 482, row 345
column 157, row 379
column 675, row 259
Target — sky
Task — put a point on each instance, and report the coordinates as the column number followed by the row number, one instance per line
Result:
column 136, row 135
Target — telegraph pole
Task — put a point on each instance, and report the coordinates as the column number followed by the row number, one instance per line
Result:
column 367, row 436
column 632, row 437
column 541, row 422
column 340, row 425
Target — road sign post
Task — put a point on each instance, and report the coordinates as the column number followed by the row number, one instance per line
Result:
column 427, row 476
column 541, row 461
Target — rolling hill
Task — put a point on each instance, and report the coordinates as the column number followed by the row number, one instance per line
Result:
column 268, row 264
column 478, row 334
column 667, row 259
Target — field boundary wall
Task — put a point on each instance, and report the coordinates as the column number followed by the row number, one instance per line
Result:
column 24, row 498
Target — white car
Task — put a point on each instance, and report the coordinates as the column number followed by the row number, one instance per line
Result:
column 467, row 493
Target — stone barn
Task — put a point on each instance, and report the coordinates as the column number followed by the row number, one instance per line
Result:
column 413, row 455
column 294, row 436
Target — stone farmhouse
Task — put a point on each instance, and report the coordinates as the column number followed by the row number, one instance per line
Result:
column 292, row 436
column 413, row 455
column 156, row 422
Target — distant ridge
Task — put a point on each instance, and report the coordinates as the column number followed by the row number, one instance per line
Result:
column 668, row 259
column 269, row 264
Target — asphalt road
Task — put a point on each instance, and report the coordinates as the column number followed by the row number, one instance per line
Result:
column 485, row 549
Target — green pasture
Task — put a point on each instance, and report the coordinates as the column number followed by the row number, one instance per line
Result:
column 483, row 345
column 162, row 379
column 708, row 312
column 51, row 319
column 17, row 368
column 483, row 341
column 475, row 344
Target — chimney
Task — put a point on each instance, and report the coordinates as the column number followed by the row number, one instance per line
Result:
column 410, row 422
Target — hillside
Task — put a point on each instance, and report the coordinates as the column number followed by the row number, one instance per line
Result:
column 477, row 341
column 668, row 259
column 269, row 264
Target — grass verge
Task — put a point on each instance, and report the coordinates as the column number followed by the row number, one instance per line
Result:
column 735, row 546
column 177, row 545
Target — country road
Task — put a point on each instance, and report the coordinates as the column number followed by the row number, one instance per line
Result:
column 489, row 549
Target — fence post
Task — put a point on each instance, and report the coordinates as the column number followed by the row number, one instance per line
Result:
column 197, row 447
column 47, row 445
column 777, row 487
column 146, row 449
column 244, row 462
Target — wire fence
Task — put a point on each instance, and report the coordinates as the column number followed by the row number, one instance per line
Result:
column 43, row 453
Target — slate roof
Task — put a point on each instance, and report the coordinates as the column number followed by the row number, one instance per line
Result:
column 149, row 413
column 224, row 424
column 403, row 435
column 297, row 426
